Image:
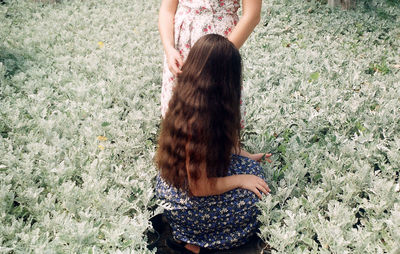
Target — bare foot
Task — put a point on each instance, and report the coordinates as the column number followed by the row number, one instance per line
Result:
column 192, row 248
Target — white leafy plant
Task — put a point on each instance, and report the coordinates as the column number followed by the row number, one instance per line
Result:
column 79, row 104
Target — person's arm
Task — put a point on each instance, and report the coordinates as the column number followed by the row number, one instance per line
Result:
column 255, row 156
column 218, row 185
column 251, row 11
column 166, row 28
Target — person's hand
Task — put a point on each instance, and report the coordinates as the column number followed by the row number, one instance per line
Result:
column 255, row 184
column 260, row 157
column 175, row 61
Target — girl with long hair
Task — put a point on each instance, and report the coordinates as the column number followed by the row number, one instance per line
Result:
column 182, row 22
column 211, row 188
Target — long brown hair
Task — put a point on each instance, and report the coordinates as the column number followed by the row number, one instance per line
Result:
column 202, row 124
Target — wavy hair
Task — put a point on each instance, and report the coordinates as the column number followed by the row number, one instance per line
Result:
column 202, row 124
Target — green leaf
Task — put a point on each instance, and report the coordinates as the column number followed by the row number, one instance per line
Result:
column 313, row 77
column 105, row 124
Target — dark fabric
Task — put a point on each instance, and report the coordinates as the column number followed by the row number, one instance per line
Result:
column 214, row 222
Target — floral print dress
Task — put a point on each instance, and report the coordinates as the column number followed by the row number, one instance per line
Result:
column 214, row 222
column 193, row 19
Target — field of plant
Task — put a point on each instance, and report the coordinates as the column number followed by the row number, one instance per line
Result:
column 79, row 106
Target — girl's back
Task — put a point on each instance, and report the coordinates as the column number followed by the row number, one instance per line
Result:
column 211, row 192
column 214, row 222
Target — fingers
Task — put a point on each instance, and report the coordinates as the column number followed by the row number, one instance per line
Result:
column 177, row 66
column 255, row 184
column 257, row 192
column 258, row 157
column 175, row 62
column 266, row 188
column 174, row 69
column 262, row 186
column 261, row 157
column 180, row 63
column 266, row 156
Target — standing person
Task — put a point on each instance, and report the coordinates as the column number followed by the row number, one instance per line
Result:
column 182, row 22
column 212, row 192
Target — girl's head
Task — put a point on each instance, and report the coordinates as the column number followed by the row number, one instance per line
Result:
column 202, row 124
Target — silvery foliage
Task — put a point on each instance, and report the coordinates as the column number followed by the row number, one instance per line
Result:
column 323, row 88
column 79, row 104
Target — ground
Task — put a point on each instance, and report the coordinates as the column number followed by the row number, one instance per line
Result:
column 80, row 85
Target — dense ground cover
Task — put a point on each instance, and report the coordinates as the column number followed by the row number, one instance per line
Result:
column 79, row 105
column 327, row 90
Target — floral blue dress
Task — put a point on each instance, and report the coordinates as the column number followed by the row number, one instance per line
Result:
column 214, row 222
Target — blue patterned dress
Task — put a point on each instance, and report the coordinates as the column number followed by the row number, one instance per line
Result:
column 214, row 222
